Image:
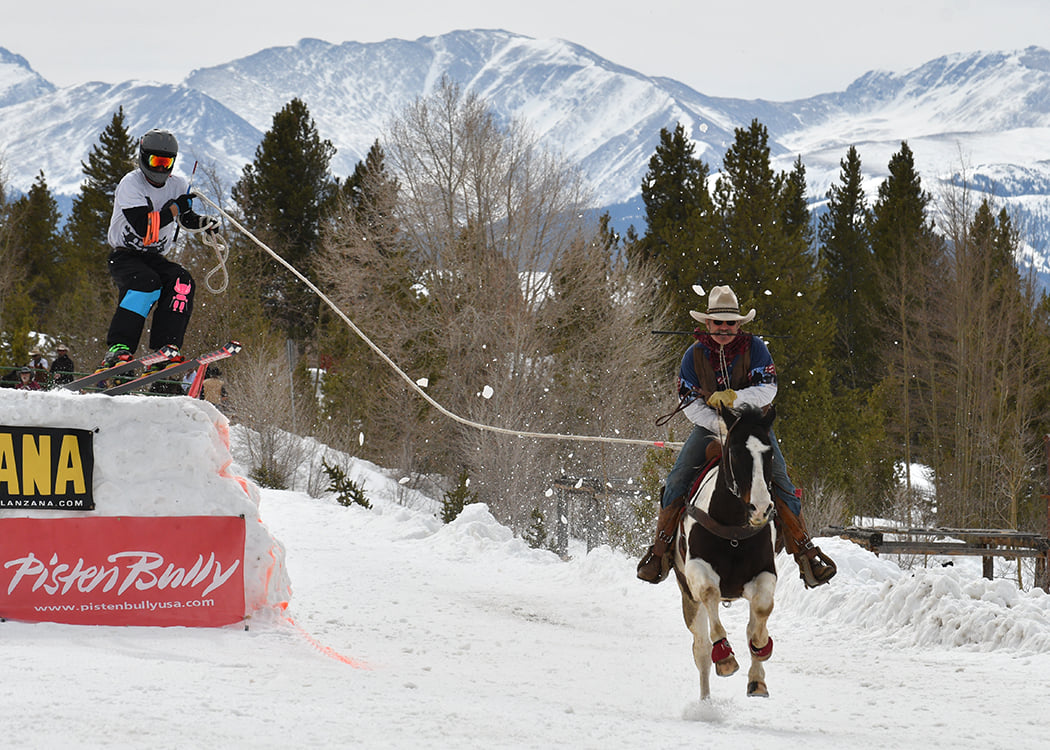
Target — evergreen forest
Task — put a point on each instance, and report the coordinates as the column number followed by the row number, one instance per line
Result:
column 903, row 333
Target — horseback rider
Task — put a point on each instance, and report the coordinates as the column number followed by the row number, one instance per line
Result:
column 724, row 368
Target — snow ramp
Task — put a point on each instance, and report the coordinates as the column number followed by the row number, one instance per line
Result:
column 129, row 510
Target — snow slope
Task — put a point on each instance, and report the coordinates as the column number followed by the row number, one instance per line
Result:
column 404, row 632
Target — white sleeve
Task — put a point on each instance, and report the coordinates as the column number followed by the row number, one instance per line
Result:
column 699, row 413
column 757, row 395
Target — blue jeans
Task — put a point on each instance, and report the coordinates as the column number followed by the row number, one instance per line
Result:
column 691, row 460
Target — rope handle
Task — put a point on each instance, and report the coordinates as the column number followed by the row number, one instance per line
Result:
column 216, row 242
column 409, row 381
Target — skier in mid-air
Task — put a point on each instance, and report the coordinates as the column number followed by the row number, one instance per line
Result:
column 149, row 204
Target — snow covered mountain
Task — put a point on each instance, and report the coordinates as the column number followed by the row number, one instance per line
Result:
column 982, row 115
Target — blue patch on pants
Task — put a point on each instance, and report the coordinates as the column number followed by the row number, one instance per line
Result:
column 139, row 302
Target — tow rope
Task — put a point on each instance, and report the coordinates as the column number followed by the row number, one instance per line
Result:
column 411, row 383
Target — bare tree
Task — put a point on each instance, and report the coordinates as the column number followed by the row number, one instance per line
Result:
column 266, row 400
column 458, row 288
column 993, row 372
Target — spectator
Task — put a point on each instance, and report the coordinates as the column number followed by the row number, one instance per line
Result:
column 39, row 363
column 25, row 380
column 62, row 368
column 213, row 388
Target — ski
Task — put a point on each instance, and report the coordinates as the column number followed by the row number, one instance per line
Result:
column 198, row 382
column 163, row 354
column 174, row 370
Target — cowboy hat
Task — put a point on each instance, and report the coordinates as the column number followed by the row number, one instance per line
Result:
column 722, row 305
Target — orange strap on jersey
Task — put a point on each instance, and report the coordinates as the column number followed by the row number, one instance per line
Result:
column 152, row 229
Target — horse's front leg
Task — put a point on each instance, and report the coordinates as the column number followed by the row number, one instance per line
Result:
column 702, row 588
column 696, row 620
column 759, row 592
column 721, row 652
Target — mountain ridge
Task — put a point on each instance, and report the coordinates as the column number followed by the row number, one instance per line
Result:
column 978, row 116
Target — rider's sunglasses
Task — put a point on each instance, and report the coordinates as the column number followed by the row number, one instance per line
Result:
column 729, row 323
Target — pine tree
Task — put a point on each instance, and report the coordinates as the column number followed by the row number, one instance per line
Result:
column 909, row 261
column 746, row 205
column 347, row 491
column 14, row 301
column 89, row 299
column 679, row 233
column 766, row 237
column 766, row 245
column 35, row 219
column 850, row 285
column 850, row 297
column 284, row 195
column 460, row 496
column 536, row 535
column 109, row 161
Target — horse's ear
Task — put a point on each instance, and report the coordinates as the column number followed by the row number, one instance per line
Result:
column 768, row 415
column 728, row 415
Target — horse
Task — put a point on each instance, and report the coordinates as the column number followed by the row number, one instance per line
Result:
column 723, row 549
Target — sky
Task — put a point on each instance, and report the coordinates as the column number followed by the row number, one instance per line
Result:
column 760, row 49
column 404, row 632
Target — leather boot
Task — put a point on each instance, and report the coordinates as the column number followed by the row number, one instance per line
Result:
column 656, row 563
column 814, row 567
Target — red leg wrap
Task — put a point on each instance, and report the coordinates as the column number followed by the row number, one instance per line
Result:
column 721, row 651
column 762, row 653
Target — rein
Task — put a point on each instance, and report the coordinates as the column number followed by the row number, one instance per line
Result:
column 727, row 464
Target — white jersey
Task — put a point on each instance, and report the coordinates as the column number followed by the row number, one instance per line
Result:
column 135, row 191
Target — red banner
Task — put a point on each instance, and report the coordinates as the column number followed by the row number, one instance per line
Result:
column 177, row 570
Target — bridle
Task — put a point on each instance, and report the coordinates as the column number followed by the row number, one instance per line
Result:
column 732, row 533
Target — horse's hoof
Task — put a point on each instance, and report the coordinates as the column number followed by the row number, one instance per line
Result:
column 726, row 667
column 761, row 654
column 757, row 689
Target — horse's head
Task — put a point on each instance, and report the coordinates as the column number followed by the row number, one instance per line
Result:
column 748, row 460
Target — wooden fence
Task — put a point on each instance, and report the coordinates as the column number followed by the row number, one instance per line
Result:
column 984, row 543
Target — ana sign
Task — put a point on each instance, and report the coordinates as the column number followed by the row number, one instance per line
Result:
column 44, row 468
column 178, row 570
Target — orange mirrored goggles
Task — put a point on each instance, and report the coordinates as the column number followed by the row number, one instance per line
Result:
column 160, row 162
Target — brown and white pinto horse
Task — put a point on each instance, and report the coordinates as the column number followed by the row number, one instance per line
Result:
column 724, row 549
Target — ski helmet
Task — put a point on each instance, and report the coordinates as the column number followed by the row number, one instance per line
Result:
column 157, row 152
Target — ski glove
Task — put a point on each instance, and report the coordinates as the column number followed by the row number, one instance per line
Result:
column 184, row 203
column 209, row 224
column 724, row 398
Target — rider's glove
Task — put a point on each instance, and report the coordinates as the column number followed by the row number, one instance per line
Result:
column 724, row 398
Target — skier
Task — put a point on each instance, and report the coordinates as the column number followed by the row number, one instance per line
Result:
column 147, row 203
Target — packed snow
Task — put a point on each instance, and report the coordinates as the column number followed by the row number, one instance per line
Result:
column 402, row 631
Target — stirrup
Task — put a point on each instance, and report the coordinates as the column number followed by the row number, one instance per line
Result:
column 646, row 561
column 825, row 569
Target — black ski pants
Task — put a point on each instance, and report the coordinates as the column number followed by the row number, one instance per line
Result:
column 144, row 280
